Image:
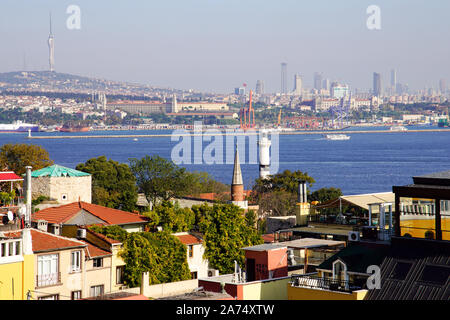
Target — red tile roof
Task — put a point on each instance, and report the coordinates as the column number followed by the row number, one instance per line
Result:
column 111, row 216
column 9, row 176
column 268, row 238
column 92, row 251
column 188, row 239
column 44, row 241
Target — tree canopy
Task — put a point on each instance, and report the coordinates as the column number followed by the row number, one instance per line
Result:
column 113, row 183
column 225, row 232
column 160, row 178
column 325, row 194
column 171, row 217
column 277, row 195
column 16, row 157
column 160, row 254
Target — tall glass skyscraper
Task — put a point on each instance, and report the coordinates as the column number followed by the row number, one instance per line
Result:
column 283, row 77
column 377, row 84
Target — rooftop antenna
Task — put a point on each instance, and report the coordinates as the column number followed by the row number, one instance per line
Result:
column 50, row 14
column 51, row 46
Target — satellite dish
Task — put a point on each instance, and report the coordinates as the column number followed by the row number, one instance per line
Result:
column 10, row 216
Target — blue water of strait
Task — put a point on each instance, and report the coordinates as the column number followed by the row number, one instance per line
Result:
column 366, row 163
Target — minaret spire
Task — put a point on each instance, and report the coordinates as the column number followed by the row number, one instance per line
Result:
column 237, row 173
column 237, row 184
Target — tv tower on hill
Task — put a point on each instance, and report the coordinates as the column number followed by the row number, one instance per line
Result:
column 51, row 48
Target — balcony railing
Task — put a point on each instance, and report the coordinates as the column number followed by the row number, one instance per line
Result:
column 313, row 282
column 418, row 209
column 49, row 279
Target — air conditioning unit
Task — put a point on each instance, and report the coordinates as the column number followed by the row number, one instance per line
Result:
column 213, row 273
column 81, row 233
column 353, row 236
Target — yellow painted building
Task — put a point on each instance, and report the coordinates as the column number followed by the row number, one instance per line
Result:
column 273, row 289
column 301, row 293
column 422, row 228
column 16, row 267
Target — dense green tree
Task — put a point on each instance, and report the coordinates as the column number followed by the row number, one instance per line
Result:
column 173, row 218
column 16, row 157
column 160, row 178
column 172, row 255
column 112, row 232
column 139, row 257
column 160, row 254
column 278, row 203
column 201, row 182
column 225, row 232
column 153, row 219
column 325, row 194
column 286, row 181
column 277, row 195
column 113, row 183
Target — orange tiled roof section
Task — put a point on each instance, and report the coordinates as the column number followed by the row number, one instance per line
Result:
column 188, row 239
column 111, row 216
column 94, row 251
column 44, row 241
column 268, row 238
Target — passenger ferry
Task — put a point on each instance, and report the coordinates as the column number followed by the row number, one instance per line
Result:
column 337, row 137
column 398, row 128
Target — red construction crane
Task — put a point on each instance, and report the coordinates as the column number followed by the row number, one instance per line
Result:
column 247, row 115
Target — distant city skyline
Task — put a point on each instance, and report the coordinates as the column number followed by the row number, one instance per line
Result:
column 216, row 46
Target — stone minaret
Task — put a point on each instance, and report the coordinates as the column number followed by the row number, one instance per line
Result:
column 237, row 184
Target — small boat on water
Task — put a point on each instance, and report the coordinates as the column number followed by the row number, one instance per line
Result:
column 337, row 137
column 398, row 128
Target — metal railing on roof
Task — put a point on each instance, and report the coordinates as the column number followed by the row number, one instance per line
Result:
column 314, row 282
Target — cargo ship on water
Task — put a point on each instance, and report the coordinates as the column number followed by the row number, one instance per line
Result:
column 19, row 126
column 74, row 128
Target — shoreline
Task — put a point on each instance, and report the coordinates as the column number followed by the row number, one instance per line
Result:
column 235, row 133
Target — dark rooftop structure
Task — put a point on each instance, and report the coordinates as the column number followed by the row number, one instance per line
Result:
column 415, row 269
column 438, row 178
column 358, row 256
column 435, row 186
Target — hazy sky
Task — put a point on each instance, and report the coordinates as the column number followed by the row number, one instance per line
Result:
column 216, row 45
